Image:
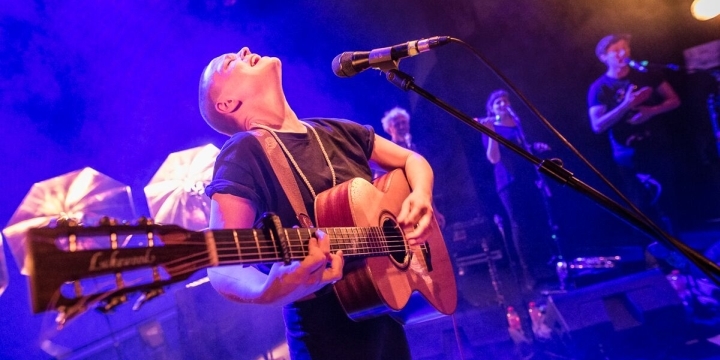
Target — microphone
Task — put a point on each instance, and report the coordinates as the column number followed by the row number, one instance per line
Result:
column 511, row 111
column 408, row 141
column 514, row 116
column 644, row 66
column 349, row 63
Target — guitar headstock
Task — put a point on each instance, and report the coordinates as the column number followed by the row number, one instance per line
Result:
column 70, row 277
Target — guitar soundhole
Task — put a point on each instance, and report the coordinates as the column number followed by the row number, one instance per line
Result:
column 396, row 242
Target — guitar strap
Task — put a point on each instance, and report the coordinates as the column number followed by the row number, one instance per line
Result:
column 284, row 173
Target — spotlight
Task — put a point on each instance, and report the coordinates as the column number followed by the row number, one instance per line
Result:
column 705, row 9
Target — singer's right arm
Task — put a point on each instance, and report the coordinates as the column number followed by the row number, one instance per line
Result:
column 226, row 279
column 284, row 283
column 601, row 119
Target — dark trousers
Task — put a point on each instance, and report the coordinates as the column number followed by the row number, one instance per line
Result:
column 320, row 329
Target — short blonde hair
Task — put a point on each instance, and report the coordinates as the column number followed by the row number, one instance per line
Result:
column 391, row 114
column 207, row 94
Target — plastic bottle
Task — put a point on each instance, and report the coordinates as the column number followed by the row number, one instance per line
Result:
column 679, row 283
column 539, row 328
column 515, row 326
column 535, row 315
column 513, row 319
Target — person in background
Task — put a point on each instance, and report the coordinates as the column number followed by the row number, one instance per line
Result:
column 518, row 186
column 396, row 123
column 629, row 105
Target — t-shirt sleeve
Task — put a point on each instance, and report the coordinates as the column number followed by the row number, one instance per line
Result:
column 367, row 136
column 233, row 174
column 594, row 95
column 363, row 135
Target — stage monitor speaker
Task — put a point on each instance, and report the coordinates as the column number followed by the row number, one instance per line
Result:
column 481, row 332
column 639, row 313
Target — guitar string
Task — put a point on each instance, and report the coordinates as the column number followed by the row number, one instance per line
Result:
column 270, row 248
column 344, row 239
column 356, row 243
column 173, row 271
column 258, row 257
column 296, row 254
column 269, row 253
column 269, row 243
column 173, row 267
column 182, row 267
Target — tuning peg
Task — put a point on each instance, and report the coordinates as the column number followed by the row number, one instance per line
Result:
column 62, row 222
column 107, row 306
column 144, row 221
column 66, row 314
column 108, row 221
column 147, row 296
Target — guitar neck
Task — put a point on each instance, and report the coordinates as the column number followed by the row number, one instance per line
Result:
column 182, row 253
column 261, row 246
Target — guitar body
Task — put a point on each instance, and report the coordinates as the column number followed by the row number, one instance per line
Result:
column 412, row 284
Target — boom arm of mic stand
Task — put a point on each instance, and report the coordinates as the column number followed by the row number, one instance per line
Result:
column 555, row 170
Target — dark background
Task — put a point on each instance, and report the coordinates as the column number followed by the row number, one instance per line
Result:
column 112, row 85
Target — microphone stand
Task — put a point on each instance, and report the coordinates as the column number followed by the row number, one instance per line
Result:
column 554, row 169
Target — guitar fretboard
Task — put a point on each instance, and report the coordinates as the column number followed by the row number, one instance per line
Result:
column 255, row 246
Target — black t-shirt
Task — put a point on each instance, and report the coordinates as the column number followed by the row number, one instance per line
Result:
column 610, row 92
column 242, row 168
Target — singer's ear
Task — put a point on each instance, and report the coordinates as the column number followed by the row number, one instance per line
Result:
column 227, row 106
column 603, row 59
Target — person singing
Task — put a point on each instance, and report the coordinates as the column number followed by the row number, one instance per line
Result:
column 242, row 91
column 625, row 103
column 516, row 182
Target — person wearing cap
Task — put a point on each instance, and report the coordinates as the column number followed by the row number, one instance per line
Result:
column 628, row 104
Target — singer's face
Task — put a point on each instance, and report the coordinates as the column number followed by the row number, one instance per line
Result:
column 244, row 74
column 500, row 105
column 617, row 55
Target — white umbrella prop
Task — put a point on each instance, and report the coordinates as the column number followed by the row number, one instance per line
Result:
column 84, row 195
column 176, row 193
column 3, row 268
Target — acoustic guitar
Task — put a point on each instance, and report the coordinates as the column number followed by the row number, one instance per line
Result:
column 383, row 274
